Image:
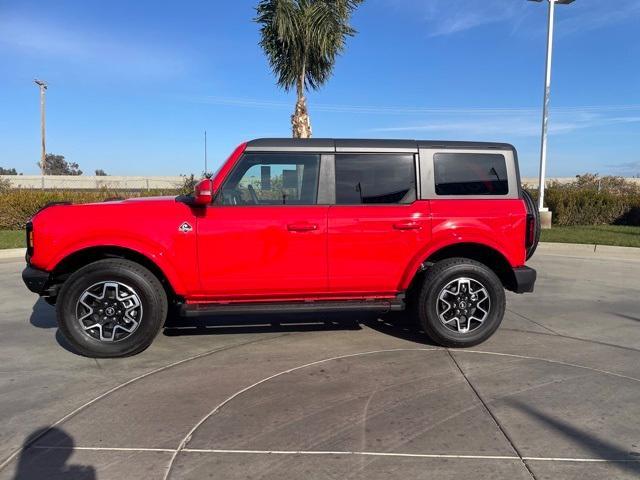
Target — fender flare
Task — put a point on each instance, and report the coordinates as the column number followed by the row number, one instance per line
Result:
column 443, row 243
column 154, row 254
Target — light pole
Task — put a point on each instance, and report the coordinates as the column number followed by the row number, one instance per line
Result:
column 545, row 215
column 43, row 87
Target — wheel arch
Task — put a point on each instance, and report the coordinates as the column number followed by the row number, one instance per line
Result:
column 488, row 256
column 85, row 256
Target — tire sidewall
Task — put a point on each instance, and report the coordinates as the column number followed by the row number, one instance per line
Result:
column 153, row 310
column 428, row 305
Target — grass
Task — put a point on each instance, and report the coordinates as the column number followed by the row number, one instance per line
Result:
column 12, row 239
column 599, row 234
column 619, row 235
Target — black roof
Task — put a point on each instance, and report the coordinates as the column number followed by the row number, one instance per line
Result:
column 364, row 145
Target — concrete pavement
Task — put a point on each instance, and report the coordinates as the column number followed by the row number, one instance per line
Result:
column 554, row 394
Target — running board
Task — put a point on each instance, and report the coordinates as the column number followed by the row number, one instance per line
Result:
column 381, row 306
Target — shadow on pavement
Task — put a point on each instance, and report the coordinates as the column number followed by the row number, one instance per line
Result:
column 600, row 448
column 267, row 323
column 628, row 317
column 395, row 324
column 43, row 315
column 42, row 463
column 399, row 325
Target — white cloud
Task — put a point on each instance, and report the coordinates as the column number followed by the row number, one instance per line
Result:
column 448, row 17
column 66, row 44
column 515, row 124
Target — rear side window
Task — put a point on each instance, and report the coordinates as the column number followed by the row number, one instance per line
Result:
column 470, row 174
column 379, row 178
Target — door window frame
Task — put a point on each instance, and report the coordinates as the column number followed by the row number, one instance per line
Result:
column 416, row 174
column 320, row 185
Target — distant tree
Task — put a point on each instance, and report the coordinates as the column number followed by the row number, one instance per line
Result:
column 8, row 171
column 188, row 184
column 101, row 173
column 302, row 39
column 57, row 165
column 4, row 185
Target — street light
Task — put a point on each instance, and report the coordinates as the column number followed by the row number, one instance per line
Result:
column 546, row 216
column 43, row 87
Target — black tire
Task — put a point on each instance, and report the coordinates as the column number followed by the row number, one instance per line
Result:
column 146, row 286
column 440, row 275
column 532, row 210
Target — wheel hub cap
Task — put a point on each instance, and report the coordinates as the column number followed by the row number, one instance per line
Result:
column 463, row 305
column 109, row 311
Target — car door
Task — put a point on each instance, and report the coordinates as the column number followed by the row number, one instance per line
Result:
column 265, row 235
column 377, row 226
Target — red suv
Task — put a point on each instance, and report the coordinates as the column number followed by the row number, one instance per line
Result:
column 296, row 226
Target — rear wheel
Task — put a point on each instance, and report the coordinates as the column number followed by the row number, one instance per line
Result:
column 461, row 302
column 111, row 308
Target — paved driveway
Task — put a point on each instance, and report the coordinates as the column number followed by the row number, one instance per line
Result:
column 554, row 394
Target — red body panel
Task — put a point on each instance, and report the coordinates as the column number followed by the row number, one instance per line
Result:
column 369, row 246
column 253, row 252
column 271, row 253
column 146, row 226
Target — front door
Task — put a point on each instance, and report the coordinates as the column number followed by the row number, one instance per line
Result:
column 377, row 227
column 264, row 238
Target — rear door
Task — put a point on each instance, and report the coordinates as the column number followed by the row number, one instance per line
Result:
column 376, row 226
column 265, row 236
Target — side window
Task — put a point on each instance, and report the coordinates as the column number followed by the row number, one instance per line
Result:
column 375, row 178
column 272, row 179
column 470, row 174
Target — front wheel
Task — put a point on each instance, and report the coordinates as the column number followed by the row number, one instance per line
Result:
column 461, row 303
column 111, row 308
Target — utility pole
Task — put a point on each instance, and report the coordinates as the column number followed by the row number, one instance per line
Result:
column 544, row 212
column 43, row 87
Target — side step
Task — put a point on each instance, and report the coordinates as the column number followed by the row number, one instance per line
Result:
column 382, row 306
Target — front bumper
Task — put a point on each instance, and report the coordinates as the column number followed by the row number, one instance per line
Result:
column 36, row 280
column 525, row 279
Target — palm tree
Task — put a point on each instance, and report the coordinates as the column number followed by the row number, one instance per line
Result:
column 302, row 39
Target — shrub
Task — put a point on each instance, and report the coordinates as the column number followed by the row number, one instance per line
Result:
column 17, row 206
column 594, row 200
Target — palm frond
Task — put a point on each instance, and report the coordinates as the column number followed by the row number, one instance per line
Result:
column 302, row 38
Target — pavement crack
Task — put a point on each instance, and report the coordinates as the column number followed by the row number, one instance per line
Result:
column 532, row 321
column 569, row 337
column 493, row 416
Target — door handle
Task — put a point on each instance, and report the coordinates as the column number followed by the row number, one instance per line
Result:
column 302, row 227
column 407, row 226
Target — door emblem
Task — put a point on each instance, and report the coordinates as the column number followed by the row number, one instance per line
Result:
column 185, row 227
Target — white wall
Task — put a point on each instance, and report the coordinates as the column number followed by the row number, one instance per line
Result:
column 90, row 182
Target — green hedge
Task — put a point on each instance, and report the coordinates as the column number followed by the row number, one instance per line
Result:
column 18, row 205
column 593, row 200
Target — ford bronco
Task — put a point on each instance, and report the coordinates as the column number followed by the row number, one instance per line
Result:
column 440, row 229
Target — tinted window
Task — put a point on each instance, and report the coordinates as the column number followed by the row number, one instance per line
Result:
column 375, row 179
column 272, row 179
column 470, row 174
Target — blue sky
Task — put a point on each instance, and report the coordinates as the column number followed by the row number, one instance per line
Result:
column 134, row 84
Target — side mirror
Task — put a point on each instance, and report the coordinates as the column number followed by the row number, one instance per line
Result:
column 203, row 193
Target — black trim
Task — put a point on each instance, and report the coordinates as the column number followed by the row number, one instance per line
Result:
column 374, row 305
column 35, row 279
column 361, row 145
column 28, row 229
column 525, row 279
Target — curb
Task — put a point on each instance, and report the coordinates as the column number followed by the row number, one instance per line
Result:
column 589, row 250
column 12, row 253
